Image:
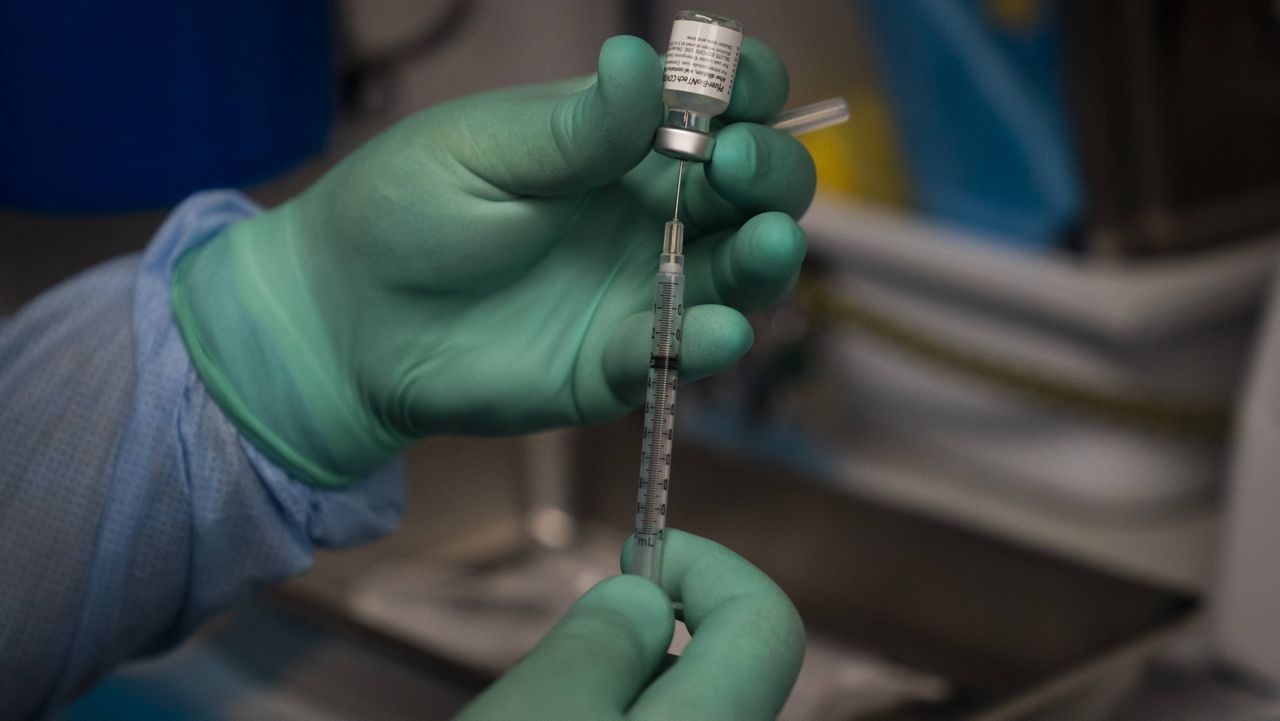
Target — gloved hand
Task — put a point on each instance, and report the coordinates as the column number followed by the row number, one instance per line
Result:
column 486, row 266
column 605, row 659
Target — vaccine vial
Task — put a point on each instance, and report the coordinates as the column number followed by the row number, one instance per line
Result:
column 697, row 82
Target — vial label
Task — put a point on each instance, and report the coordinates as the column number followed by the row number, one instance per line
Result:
column 702, row 58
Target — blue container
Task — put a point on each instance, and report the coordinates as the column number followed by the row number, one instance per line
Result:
column 979, row 99
column 134, row 104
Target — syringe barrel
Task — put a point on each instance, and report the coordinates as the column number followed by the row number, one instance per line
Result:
column 659, row 417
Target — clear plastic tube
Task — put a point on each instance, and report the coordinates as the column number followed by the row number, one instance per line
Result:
column 815, row 116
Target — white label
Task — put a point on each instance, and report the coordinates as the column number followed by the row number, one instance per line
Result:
column 702, row 58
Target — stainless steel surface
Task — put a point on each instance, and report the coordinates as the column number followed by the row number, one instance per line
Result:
column 1176, row 692
column 998, row 621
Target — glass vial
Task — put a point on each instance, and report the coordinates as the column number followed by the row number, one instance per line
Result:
column 702, row 60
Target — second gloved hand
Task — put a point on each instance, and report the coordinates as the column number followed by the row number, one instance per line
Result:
column 486, row 266
column 606, row 660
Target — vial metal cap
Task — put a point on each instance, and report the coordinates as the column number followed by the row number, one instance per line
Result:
column 684, row 144
column 685, row 136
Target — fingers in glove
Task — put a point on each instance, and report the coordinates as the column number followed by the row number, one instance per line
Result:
column 542, row 141
column 748, row 640
column 760, row 87
column 753, row 169
column 714, row 338
column 748, row 269
column 591, row 666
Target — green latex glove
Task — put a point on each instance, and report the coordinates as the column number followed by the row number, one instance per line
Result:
column 606, row 659
column 486, row 266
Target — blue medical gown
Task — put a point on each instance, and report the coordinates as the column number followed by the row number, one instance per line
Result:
column 131, row 510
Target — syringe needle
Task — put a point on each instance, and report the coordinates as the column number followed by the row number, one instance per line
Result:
column 675, row 217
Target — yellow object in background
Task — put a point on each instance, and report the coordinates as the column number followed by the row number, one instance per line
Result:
column 861, row 158
column 1016, row 15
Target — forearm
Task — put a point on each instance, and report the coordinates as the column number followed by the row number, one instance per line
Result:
column 130, row 508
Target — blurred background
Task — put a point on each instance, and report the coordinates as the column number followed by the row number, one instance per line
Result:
column 1003, row 445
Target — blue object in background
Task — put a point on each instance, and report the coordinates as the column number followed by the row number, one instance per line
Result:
column 135, row 104
column 978, row 92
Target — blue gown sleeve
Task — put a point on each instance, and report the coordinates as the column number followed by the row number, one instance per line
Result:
column 131, row 509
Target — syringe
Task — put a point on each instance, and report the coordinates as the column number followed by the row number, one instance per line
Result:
column 664, row 358
column 660, row 398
